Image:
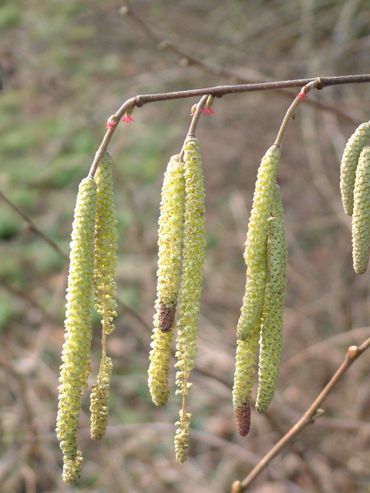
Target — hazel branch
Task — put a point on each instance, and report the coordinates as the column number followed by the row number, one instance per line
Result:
column 312, row 413
column 216, row 91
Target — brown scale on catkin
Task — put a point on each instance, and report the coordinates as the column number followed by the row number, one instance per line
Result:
column 349, row 164
column 249, row 323
column 272, row 316
column 361, row 213
column 170, row 238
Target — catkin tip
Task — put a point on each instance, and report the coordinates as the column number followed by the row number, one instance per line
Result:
column 243, row 419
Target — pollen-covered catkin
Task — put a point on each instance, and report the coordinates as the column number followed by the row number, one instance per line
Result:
column 170, row 236
column 256, row 244
column 105, row 245
column 349, row 163
column 76, row 348
column 99, row 400
column 182, row 440
column 361, row 213
column 159, row 357
column 245, row 368
column 192, row 273
column 272, row 317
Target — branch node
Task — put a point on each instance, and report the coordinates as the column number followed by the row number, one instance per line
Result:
column 236, row 487
column 352, row 352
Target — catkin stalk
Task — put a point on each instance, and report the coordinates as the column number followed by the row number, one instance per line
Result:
column 76, row 348
column 191, row 285
column 272, row 317
column 349, row 163
column 170, row 237
column 361, row 213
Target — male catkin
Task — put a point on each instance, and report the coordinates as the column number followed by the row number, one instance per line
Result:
column 349, row 163
column 170, row 237
column 255, row 256
column 361, row 213
column 191, row 281
column 105, row 246
column 272, row 317
column 99, row 400
column 182, row 436
column 76, row 348
column 256, row 244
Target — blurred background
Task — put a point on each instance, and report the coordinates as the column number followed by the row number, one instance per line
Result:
column 65, row 67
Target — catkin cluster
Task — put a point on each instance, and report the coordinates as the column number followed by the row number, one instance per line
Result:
column 91, row 276
column 260, row 320
column 181, row 241
column 355, row 192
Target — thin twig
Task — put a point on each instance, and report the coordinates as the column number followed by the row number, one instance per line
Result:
column 313, row 412
column 32, row 225
column 217, row 70
column 216, row 91
column 291, row 110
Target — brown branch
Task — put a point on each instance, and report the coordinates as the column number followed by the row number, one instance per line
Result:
column 218, row 71
column 313, row 412
column 32, row 225
column 216, row 91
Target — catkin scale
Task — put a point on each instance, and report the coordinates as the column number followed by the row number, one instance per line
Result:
column 256, row 244
column 191, row 284
column 361, row 213
column 170, row 237
column 76, row 348
column 349, row 163
column 272, row 316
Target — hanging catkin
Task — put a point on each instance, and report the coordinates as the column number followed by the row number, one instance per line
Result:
column 256, row 244
column 349, row 163
column 191, row 285
column 99, row 399
column 272, row 317
column 105, row 290
column 170, row 236
column 361, row 213
column 249, row 324
column 105, row 246
column 76, row 348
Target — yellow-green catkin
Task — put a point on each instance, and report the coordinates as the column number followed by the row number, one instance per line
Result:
column 76, row 348
column 105, row 245
column 191, row 284
column 272, row 317
column 99, row 400
column 170, row 236
column 361, row 213
column 349, row 163
column 256, row 244
column 182, row 440
column 255, row 256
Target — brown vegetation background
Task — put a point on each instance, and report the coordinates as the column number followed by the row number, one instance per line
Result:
column 66, row 66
